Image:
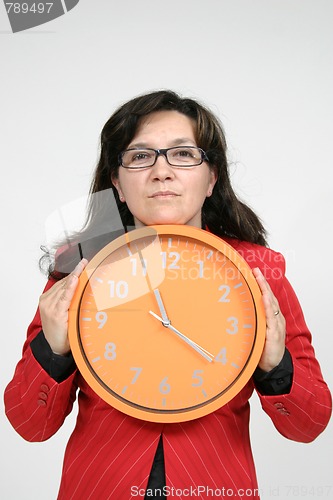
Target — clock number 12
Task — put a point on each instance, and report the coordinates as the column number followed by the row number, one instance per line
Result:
column 175, row 256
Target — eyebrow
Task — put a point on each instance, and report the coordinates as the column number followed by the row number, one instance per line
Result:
column 175, row 142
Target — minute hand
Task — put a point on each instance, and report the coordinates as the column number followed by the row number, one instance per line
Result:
column 207, row 355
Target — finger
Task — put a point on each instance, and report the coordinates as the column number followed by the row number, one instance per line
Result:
column 270, row 302
column 79, row 268
column 70, row 283
column 262, row 282
column 63, row 290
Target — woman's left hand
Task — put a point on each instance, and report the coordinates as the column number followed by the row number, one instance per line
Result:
column 276, row 326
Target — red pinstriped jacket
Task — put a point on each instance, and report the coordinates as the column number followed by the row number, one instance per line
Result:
column 109, row 455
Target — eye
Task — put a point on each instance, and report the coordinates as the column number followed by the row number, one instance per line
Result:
column 138, row 158
column 141, row 156
column 185, row 154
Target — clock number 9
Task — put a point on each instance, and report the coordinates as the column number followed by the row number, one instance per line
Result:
column 101, row 318
column 110, row 351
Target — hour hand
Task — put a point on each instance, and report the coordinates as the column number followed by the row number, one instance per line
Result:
column 206, row 354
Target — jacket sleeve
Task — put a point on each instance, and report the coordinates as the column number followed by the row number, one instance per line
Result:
column 303, row 413
column 35, row 404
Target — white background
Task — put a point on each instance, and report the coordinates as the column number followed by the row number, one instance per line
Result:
column 265, row 67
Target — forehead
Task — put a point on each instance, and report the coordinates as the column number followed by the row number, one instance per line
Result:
column 165, row 125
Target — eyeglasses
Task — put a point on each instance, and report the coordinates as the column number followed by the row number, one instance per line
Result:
column 180, row 156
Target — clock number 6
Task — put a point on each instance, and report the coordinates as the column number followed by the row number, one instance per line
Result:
column 110, row 351
column 164, row 386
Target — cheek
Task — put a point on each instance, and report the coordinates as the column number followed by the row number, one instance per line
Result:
column 133, row 193
column 123, row 186
column 132, row 188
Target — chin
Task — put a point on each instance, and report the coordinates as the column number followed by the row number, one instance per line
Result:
column 168, row 219
column 172, row 221
column 160, row 221
column 164, row 221
column 160, row 218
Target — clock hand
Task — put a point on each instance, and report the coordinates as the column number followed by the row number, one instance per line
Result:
column 206, row 354
column 167, row 323
column 165, row 320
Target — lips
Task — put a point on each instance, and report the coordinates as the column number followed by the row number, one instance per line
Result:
column 162, row 194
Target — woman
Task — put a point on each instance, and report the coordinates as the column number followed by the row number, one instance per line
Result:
column 110, row 455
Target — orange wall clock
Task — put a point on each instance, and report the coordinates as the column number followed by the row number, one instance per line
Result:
column 167, row 323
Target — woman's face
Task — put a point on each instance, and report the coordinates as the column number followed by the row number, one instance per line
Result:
column 163, row 194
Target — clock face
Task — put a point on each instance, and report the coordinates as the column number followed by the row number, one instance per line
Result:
column 167, row 323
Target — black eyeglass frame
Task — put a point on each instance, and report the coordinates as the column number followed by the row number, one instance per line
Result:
column 163, row 152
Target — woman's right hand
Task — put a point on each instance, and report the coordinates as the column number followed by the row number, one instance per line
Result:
column 54, row 305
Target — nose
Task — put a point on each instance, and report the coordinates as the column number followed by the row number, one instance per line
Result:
column 162, row 170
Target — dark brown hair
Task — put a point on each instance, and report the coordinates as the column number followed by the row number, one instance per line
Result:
column 222, row 213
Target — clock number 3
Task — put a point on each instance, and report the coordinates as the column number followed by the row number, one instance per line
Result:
column 234, row 325
column 110, row 351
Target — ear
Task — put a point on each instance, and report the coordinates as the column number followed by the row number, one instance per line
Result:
column 116, row 183
column 212, row 181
